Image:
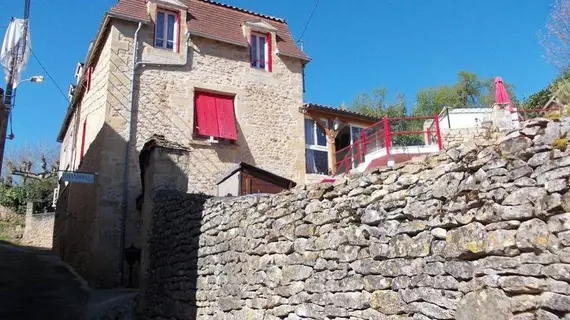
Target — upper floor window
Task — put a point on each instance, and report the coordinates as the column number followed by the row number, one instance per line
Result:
column 166, row 31
column 215, row 117
column 261, row 51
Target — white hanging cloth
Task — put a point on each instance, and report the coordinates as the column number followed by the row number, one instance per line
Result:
column 13, row 42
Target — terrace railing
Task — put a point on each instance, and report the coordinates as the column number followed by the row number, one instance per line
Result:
column 385, row 135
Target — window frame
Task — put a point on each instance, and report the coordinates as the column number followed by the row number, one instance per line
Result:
column 213, row 139
column 352, row 139
column 164, row 36
column 315, row 145
column 256, row 63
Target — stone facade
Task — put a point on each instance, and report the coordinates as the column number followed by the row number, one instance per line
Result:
column 479, row 231
column 269, row 127
column 38, row 230
column 452, row 137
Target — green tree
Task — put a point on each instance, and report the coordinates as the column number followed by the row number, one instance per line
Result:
column 468, row 88
column 431, row 101
column 16, row 196
column 372, row 104
column 558, row 86
column 34, row 179
column 467, row 92
column 537, row 100
column 487, row 96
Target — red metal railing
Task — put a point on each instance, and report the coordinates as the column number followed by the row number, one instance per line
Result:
column 386, row 134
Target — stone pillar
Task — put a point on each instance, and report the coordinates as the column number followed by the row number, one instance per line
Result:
column 29, row 219
column 159, row 171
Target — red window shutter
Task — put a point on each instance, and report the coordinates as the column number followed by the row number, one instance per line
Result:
column 269, row 53
column 226, row 117
column 177, row 28
column 154, row 30
column 206, row 115
column 252, row 58
column 83, row 140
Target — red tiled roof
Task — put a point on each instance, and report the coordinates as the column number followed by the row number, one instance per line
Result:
column 345, row 112
column 132, row 9
column 219, row 21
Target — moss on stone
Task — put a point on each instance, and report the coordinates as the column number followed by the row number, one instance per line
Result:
column 554, row 115
column 560, row 144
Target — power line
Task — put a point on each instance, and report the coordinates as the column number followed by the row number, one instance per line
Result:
column 308, row 21
column 49, row 76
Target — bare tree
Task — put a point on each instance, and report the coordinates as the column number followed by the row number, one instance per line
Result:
column 556, row 36
column 32, row 160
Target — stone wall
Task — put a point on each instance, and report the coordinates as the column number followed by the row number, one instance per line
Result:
column 38, row 230
column 453, row 137
column 481, row 231
column 88, row 215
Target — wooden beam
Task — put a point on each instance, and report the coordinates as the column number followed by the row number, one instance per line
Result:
column 345, row 119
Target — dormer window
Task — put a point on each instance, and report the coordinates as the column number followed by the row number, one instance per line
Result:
column 261, row 51
column 166, row 30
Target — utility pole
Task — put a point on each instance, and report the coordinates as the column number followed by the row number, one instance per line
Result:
column 7, row 108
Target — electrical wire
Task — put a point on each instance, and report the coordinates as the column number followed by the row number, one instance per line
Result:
column 308, row 21
column 49, row 76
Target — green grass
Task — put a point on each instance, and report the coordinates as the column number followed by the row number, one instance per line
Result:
column 8, row 230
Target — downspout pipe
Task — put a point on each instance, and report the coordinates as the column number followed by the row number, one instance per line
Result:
column 127, row 158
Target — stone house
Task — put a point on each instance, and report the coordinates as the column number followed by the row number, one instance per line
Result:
column 223, row 82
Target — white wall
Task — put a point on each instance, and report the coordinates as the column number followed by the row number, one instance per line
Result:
column 462, row 118
column 230, row 186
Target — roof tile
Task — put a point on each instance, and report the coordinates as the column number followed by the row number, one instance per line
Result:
column 221, row 21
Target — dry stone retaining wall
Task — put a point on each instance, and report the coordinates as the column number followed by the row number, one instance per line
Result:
column 38, row 229
column 481, row 231
column 453, row 137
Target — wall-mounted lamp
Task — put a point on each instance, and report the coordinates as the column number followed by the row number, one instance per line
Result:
column 337, row 123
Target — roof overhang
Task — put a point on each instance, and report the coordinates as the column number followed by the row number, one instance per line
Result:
column 305, row 58
column 260, row 173
column 345, row 114
column 260, row 25
column 171, row 4
column 212, row 37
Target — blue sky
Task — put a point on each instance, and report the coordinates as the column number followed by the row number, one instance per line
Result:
column 403, row 45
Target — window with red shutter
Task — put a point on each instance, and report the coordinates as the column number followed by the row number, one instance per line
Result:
column 226, row 117
column 215, row 116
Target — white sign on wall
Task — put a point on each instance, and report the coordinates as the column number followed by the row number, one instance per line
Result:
column 79, row 177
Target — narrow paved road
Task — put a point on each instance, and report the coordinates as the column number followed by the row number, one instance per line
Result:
column 34, row 284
